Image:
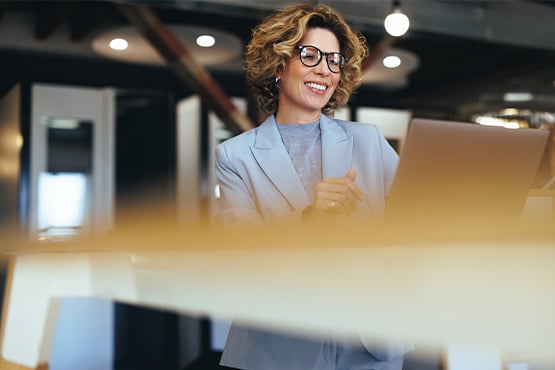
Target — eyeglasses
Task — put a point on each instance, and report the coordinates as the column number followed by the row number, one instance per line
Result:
column 311, row 56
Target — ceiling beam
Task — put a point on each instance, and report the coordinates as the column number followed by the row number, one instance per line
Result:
column 180, row 60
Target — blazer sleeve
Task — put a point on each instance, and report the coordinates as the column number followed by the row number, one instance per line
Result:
column 236, row 204
column 387, row 350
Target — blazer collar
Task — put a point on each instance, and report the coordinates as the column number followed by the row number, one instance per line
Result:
column 271, row 155
column 337, row 148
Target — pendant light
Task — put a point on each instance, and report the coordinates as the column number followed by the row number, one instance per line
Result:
column 396, row 23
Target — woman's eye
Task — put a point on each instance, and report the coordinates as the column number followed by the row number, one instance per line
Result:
column 334, row 59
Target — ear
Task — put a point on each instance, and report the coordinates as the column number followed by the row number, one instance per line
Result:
column 279, row 71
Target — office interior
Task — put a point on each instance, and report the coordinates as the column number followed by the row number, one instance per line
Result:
column 127, row 132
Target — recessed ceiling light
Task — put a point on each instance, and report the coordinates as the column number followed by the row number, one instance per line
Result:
column 119, row 44
column 517, row 96
column 206, row 41
column 225, row 53
column 396, row 77
column 391, row 61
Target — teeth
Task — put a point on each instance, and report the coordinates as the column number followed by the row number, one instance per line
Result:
column 316, row 86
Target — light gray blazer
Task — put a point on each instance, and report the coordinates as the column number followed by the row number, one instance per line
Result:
column 258, row 184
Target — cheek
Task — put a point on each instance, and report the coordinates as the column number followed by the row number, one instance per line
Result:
column 335, row 83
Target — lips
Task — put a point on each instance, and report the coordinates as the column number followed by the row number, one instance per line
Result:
column 317, row 86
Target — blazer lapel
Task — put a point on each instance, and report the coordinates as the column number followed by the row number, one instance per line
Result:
column 337, row 148
column 271, row 155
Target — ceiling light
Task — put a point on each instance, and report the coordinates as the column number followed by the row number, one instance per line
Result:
column 379, row 74
column 206, row 41
column 226, row 52
column 494, row 121
column 119, row 44
column 396, row 23
column 510, row 112
column 517, row 96
column 391, row 61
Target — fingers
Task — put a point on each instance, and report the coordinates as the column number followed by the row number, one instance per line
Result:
column 351, row 174
column 344, row 185
column 338, row 194
column 341, row 193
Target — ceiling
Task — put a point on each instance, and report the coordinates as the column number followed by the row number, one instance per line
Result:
column 463, row 55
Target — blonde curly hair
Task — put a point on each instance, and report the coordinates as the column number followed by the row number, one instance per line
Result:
column 273, row 43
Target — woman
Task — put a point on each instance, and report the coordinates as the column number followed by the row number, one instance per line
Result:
column 301, row 164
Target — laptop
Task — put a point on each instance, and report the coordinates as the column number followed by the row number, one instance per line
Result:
column 463, row 175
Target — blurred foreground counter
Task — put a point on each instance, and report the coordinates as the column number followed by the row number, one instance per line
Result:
column 484, row 295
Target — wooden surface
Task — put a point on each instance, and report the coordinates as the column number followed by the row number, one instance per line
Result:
column 490, row 289
column 6, row 365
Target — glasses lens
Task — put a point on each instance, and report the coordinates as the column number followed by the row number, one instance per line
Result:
column 310, row 56
column 335, row 62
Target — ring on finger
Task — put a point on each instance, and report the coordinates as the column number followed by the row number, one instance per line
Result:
column 331, row 205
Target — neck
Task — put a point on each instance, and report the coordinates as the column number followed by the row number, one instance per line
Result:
column 292, row 117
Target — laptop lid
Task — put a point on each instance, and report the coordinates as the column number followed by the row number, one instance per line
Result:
column 457, row 174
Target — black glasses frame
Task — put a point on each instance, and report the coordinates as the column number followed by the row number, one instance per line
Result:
column 321, row 54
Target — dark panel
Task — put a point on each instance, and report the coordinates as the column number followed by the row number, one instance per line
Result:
column 145, row 339
column 145, row 151
column 70, row 150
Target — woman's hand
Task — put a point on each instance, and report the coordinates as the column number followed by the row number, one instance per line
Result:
column 337, row 195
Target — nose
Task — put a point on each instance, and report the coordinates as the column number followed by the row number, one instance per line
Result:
column 322, row 67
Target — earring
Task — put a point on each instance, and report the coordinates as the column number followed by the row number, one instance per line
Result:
column 276, row 83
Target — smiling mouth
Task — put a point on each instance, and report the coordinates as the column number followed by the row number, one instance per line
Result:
column 316, row 86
